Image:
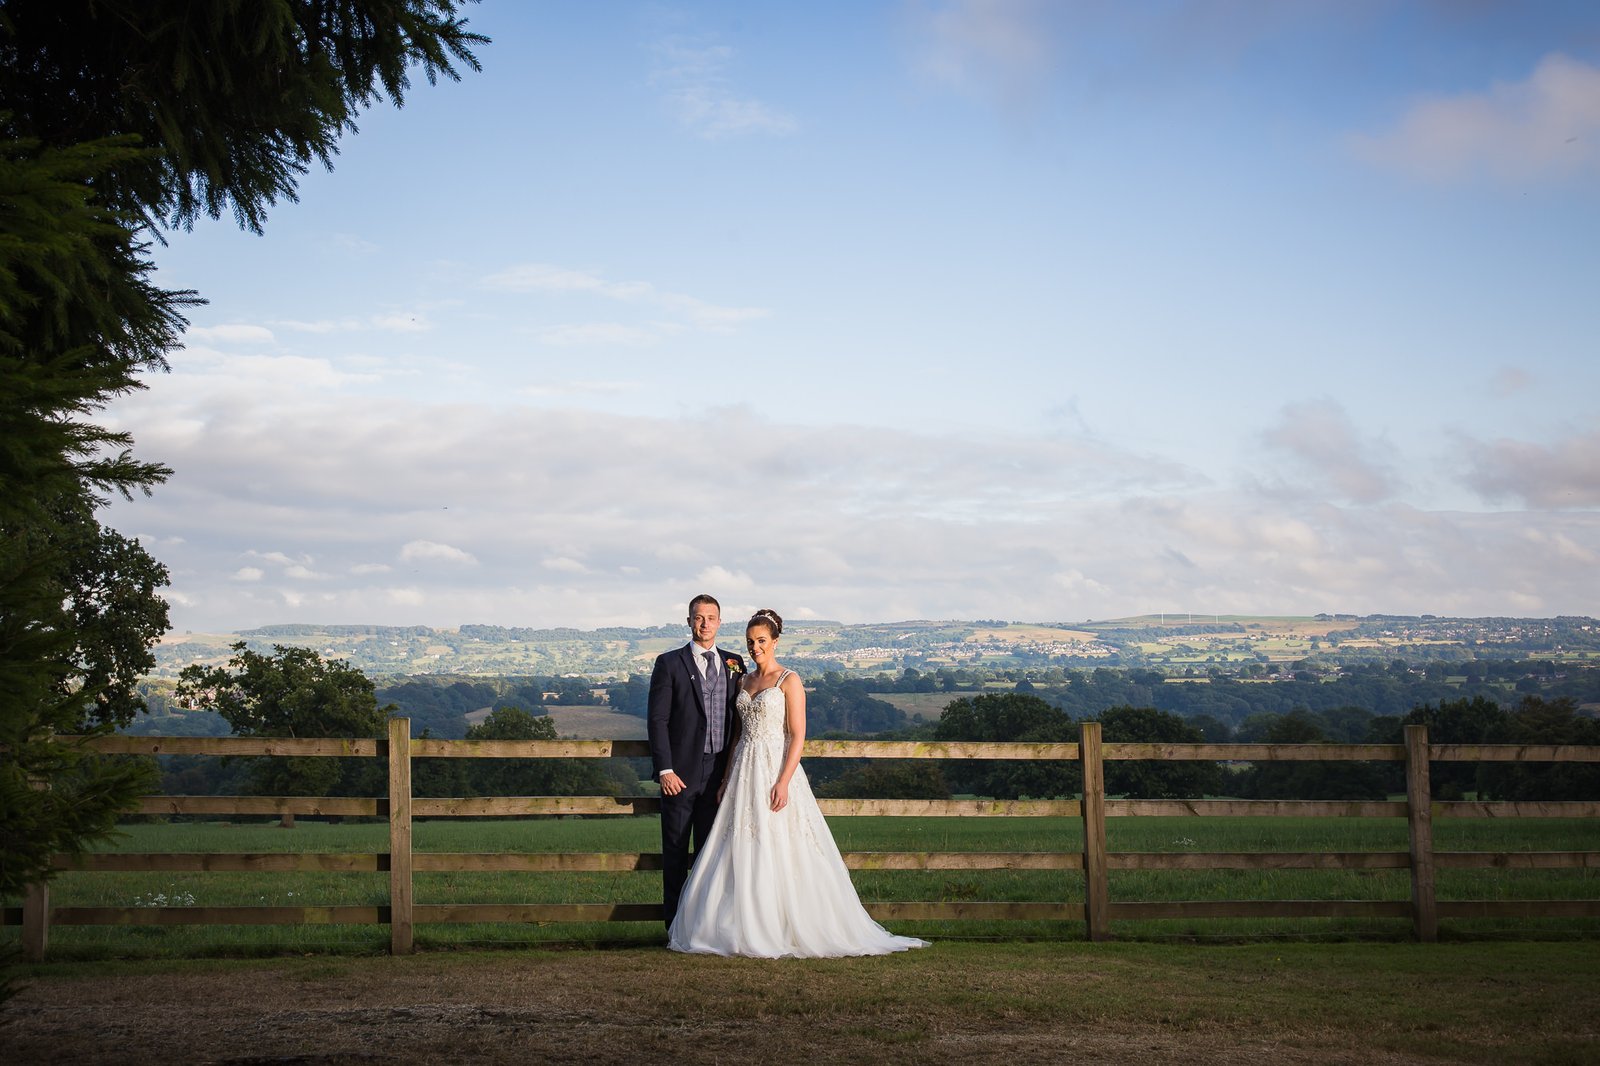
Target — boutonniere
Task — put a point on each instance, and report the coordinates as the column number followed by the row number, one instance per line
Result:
column 735, row 667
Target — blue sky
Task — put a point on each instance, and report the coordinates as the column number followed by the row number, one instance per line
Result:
column 956, row 309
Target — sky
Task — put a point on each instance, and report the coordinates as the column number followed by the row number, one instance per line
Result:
column 948, row 309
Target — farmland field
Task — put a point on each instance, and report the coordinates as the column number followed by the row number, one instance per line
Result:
column 595, row 722
column 928, row 704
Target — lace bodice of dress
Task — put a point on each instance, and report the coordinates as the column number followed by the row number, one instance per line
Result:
column 764, row 715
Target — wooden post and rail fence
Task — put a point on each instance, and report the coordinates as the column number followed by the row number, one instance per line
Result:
column 1097, row 910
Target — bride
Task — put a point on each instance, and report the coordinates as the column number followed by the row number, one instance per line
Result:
column 769, row 881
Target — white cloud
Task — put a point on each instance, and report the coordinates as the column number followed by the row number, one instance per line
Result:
column 266, row 376
column 249, row 573
column 543, row 277
column 585, row 333
column 585, row 518
column 278, row 558
column 582, row 388
column 693, row 78
column 233, row 333
column 402, row 322
column 1075, row 584
column 349, row 242
column 1563, row 474
column 1000, row 46
column 1547, row 126
column 431, row 551
column 326, row 325
column 1328, row 448
column 1510, row 380
column 150, row 542
column 397, row 321
column 1561, row 546
column 730, row 581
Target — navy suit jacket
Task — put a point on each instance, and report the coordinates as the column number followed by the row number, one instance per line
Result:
column 677, row 715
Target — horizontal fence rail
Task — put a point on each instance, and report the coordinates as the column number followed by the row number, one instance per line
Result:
column 1095, row 863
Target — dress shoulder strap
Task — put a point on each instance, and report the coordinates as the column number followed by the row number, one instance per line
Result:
column 778, row 683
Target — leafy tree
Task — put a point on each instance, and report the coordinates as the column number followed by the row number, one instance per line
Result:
column 847, row 707
column 115, row 116
column 1464, row 721
column 1156, row 779
column 533, row 777
column 1308, row 779
column 631, row 696
column 1347, row 725
column 439, row 777
column 1260, row 726
column 293, row 692
column 889, row 779
column 1009, row 716
column 1212, row 728
column 439, row 707
column 1541, row 721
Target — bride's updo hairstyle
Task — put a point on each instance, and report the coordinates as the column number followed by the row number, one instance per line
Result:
column 769, row 618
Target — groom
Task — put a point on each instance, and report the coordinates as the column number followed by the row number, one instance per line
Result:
column 692, row 693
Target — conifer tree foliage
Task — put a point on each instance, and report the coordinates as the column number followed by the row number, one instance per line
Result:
column 118, row 117
column 78, row 603
column 238, row 97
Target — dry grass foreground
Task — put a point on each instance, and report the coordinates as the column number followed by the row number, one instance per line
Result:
column 951, row 1003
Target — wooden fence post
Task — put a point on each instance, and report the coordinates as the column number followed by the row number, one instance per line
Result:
column 1419, row 805
column 1096, row 891
column 35, row 921
column 401, row 896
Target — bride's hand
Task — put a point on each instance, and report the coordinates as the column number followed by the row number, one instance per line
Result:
column 780, row 795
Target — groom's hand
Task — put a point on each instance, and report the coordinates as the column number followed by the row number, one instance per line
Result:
column 671, row 784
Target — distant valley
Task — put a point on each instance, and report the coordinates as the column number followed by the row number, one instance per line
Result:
column 1176, row 644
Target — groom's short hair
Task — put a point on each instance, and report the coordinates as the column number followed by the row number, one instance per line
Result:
column 703, row 598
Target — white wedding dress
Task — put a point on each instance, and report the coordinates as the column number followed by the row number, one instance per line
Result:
column 766, row 883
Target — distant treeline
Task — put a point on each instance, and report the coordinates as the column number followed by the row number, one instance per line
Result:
column 1150, row 633
column 500, row 634
column 1379, row 688
column 833, row 704
column 1013, row 716
column 297, row 630
column 440, row 704
column 837, row 703
column 1501, row 702
column 493, row 634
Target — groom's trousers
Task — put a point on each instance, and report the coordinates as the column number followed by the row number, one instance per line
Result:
column 686, row 819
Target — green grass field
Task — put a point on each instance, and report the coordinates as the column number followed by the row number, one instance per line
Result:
column 853, row 834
